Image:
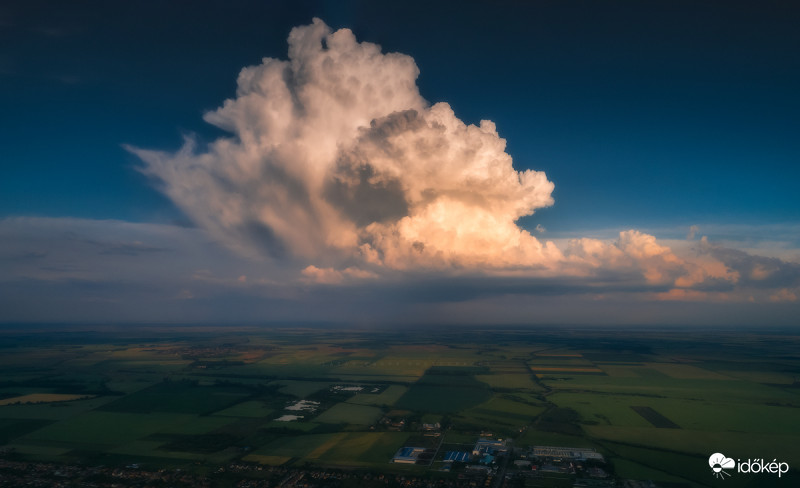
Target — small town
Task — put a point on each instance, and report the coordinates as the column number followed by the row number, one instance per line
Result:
column 491, row 463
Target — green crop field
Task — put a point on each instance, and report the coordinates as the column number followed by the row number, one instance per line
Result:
column 665, row 461
column 501, row 413
column 253, row 408
column 349, row 413
column 179, row 397
column 388, row 397
column 100, row 428
column 301, row 389
column 299, row 446
column 686, row 371
column 444, row 393
column 363, row 449
column 630, row 470
column 200, row 399
column 698, row 442
column 510, row 381
column 54, row 411
column 13, row 428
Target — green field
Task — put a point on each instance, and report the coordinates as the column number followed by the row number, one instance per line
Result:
column 301, row 389
column 349, row 413
column 253, row 408
column 510, row 381
column 179, row 397
column 98, row 429
column 13, row 428
column 363, row 449
column 655, row 403
column 502, row 413
column 387, row 398
column 300, row 446
column 444, row 393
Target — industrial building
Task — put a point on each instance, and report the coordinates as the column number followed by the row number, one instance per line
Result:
column 557, row 454
column 488, row 446
column 457, row 457
column 408, row 455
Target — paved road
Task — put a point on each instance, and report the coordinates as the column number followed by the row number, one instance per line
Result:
column 501, row 473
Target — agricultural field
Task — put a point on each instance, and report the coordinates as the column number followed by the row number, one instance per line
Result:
column 41, row 398
column 445, row 391
column 655, row 404
column 387, row 398
column 349, row 413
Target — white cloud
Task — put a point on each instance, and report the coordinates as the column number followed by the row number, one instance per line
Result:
column 337, row 155
column 338, row 166
column 330, row 276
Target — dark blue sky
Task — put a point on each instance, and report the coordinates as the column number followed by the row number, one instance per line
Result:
column 655, row 116
column 641, row 113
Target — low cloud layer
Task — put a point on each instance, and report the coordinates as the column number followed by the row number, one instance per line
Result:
column 107, row 271
column 338, row 168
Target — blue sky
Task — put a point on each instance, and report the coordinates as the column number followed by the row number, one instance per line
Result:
column 654, row 116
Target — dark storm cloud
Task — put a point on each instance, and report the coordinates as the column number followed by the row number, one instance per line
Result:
column 758, row 271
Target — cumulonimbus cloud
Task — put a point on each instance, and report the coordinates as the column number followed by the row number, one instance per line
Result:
column 337, row 157
column 338, row 163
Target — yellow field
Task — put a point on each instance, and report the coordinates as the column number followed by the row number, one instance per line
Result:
column 323, row 448
column 559, row 369
column 43, row 398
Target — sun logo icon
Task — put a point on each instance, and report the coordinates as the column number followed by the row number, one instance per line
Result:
column 718, row 463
